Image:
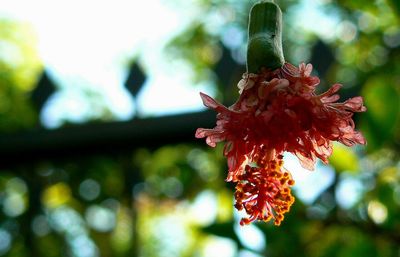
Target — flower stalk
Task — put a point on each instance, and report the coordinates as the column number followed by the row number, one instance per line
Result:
column 264, row 48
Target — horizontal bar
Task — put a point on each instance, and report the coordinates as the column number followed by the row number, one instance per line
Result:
column 101, row 138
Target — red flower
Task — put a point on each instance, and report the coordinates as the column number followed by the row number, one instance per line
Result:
column 278, row 111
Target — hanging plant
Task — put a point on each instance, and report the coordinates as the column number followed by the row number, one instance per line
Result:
column 277, row 111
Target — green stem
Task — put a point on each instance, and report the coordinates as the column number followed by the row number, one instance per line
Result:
column 264, row 48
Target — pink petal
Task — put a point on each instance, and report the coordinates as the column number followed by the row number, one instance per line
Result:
column 355, row 104
column 208, row 101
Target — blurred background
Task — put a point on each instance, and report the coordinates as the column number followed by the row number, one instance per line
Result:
column 98, row 108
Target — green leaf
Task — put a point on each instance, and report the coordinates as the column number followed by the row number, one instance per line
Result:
column 344, row 159
column 382, row 117
column 223, row 230
column 396, row 6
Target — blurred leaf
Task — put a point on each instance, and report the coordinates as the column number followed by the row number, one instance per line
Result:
column 389, row 175
column 223, row 230
column 56, row 195
column 384, row 195
column 344, row 159
column 357, row 245
column 19, row 69
column 344, row 242
column 382, row 101
column 197, row 47
column 396, row 6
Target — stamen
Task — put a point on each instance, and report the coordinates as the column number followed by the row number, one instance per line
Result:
column 264, row 193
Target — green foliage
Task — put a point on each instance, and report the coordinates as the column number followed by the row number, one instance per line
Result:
column 395, row 5
column 382, row 99
column 344, row 159
column 19, row 68
column 204, row 49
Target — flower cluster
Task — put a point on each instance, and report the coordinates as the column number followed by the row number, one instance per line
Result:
column 264, row 191
column 278, row 111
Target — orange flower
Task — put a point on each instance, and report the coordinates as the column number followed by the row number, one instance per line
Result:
column 278, row 111
column 264, row 191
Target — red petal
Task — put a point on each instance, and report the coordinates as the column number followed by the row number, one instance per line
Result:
column 208, row 101
column 355, row 104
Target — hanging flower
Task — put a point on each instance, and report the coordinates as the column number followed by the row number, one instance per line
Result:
column 278, row 111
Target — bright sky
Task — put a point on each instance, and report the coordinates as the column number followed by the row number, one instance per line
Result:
column 87, row 45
